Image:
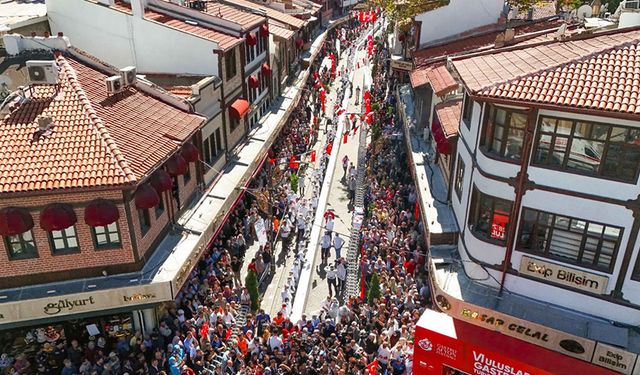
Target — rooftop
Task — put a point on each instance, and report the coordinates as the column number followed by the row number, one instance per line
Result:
column 245, row 19
column 441, row 80
column 273, row 14
column 16, row 14
column 280, row 30
column 598, row 72
column 449, row 115
column 95, row 139
column 224, row 41
column 452, row 279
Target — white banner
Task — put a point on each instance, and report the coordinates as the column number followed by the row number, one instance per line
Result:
column 261, row 231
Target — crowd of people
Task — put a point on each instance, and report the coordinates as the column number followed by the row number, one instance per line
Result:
column 212, row 328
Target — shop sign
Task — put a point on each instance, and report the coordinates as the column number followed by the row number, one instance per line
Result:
column 66, row 304
column 614, row 358
column 402, row 65
column 558, row 274
column 499, row 224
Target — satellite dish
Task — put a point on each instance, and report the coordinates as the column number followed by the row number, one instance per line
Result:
column 583, row 12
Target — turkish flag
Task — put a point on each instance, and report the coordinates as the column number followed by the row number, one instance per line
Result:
column 345, row 138
column 351, row 116
column 329, row 148
column 313, row 156
column 373, row 367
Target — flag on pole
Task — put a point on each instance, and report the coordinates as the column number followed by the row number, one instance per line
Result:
column 373, row 367
column 329, row 148
column 345, row 138
column 313, row 156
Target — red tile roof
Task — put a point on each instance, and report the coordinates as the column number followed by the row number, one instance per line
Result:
column 600, row 72
column 245, row 19
column 273, row 14
column 479, row 42
column 181, row 91
column 280, row 31
column 449, row 115
column 225, row 41
column 441, row 80
column 95, row 140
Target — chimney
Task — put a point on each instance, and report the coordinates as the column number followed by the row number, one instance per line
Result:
column 138, row 7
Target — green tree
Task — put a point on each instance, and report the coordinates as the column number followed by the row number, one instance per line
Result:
column 403, row 10
column 251, row 282
column 374, row 289
column 294, row 182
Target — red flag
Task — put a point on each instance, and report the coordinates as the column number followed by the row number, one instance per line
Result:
column 345, row 137
column 292, row 162
column 351, row 116
column 272, row 161
column 355, row 129
column 329, row 148
column 373, row 367
column 416, row 213
column 364, row 275
column 341, row 111
column 204, row 330
column 313, row 156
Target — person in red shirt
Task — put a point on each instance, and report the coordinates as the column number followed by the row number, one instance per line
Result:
column 410, row 266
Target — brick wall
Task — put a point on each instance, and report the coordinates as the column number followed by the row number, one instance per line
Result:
column 88, row 257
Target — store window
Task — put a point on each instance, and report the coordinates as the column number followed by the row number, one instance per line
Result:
column 459, row 178
column 588, row 148
column 64, row 241
column 230, row 64
column 21, row 246
column 568, row 239
column 489, row 217
column 467, row 110
column 106, row 237
column 503, row 132
column 145, row 221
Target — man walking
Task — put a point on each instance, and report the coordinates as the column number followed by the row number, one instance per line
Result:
column 325, row 245
column 341, row 274
column 338, row 242
column 331, row 279
column 345, row 165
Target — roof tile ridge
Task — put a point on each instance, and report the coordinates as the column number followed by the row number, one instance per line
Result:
column 560, row 65
column 99, row 125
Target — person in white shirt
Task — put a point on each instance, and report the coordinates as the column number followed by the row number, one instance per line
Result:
column 383, row 354
column 341, row 273
column 302, row 226
column 331, row 279
column 274, row 342
column 329, row 225
column 338, row 242
column 325, row 245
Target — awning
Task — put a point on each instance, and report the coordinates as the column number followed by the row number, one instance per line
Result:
column 101, row 212
column 57, row 216
column 442, row 82
column 253, row 82
column 299, row 43
column 146, row 197
column 252, row 39
column 161, row 181
column 177, row 165
column 264, row 30
column 239, row 108
column 190, row 152
column 14, row 220
column 266, row 69
column 442, row 143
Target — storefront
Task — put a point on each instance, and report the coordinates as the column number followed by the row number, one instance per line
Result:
column 447, row 346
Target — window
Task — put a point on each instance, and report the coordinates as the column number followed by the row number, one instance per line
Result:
column 64, row 241
column 106, row 237
column 186, row 177
column 145, row 221
column 230, row 64
column 459, row 178
column 159, row 208
column 489, row 217
column 218, row 141
column 21, row 246
column 467, row 110
column 503, row 132
column 588, row 148
column 251, row 52
column 568, row 239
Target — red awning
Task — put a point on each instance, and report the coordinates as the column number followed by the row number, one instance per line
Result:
column 146, row 197
column 299, row 43
column 177, row 165
column 190, row 152
column 253, row 82
column 264, row 30
column 443, row 145
column 266, row 69
column 161, row 181
column 14, row 220
column 252, row 39
column 101, row 212
column 57, row 216
column 239, row 108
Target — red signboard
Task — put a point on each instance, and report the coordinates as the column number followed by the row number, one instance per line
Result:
column 499, row 224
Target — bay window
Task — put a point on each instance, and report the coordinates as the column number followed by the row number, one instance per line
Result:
column 503, row 132
column 568, row 239
column 589, row 148
column 489, row 217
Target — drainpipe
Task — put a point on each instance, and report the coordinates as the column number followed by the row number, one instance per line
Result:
column 520, row 185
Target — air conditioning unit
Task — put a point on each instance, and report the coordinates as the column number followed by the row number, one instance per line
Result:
column 114, row 84
column 128, row 75
column 43, row 72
